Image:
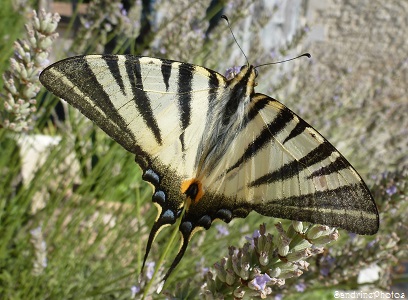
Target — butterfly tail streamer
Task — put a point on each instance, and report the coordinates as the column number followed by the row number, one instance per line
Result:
column 157, row 226
column 163, row 256
column 186, row 232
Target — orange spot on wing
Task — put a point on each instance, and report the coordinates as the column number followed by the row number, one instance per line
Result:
column 186, row 185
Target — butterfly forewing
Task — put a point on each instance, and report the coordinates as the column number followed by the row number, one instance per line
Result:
column 140, row 102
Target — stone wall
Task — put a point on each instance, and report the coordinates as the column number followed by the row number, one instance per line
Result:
column 360, row 66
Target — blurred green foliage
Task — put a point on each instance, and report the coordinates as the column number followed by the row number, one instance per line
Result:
column 92, row 211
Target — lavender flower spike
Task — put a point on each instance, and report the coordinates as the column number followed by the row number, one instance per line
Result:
column 261, row 266
column 21, row 82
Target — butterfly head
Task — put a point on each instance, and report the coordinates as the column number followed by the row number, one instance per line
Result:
column 251, row 68
column 232, row 72
column 244, row 79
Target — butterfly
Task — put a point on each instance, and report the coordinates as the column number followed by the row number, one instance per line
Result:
column 213, row 146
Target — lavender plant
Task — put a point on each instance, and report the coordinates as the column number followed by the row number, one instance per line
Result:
column 104, row 20
column 21, row 82
column 262, row 265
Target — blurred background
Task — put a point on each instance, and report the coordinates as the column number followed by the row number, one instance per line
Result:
column 74, row 212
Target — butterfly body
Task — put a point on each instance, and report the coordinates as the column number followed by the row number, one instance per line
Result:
column 213, row 145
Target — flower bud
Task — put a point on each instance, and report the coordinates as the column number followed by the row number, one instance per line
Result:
column 302, row 254
column 239, row 293
column 220, row 272
column 283, row 245
column 297, row 226
column 230, row 277
column 317, row 231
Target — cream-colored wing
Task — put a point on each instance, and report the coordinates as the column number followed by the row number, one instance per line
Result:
column 155, row 108
column 279, row 166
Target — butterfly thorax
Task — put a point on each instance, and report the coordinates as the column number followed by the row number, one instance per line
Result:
column 229, row 117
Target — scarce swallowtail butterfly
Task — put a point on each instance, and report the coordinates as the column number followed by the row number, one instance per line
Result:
column 213, row 146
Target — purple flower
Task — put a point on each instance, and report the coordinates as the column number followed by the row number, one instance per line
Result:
column 222, row 230
column 259, row 282
column 330, row 259
column 273, row 54
column 300, row 287
column 324, row 271
column 371, row 244
column 255, row 235
column 327, row 262
column 279, row 297
column 122, row 9
column 150, row 269
column 134, row 290
column 232, row 72
column 391, row 190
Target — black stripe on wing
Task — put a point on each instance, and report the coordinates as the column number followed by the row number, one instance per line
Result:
column 63, row 79
column 112, row 62
column 184, row 82
column 238, row 92
column 338, row 164
column 320, row 153
column 259, row 103
column 299, row 129
column 214, row 84
column 140, row 97
column 268, row 133
column 166, row 72
column 86, row 82
column 349, row 207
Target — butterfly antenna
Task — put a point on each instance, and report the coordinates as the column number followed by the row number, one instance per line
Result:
column 282, row 61
column 229, row 26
